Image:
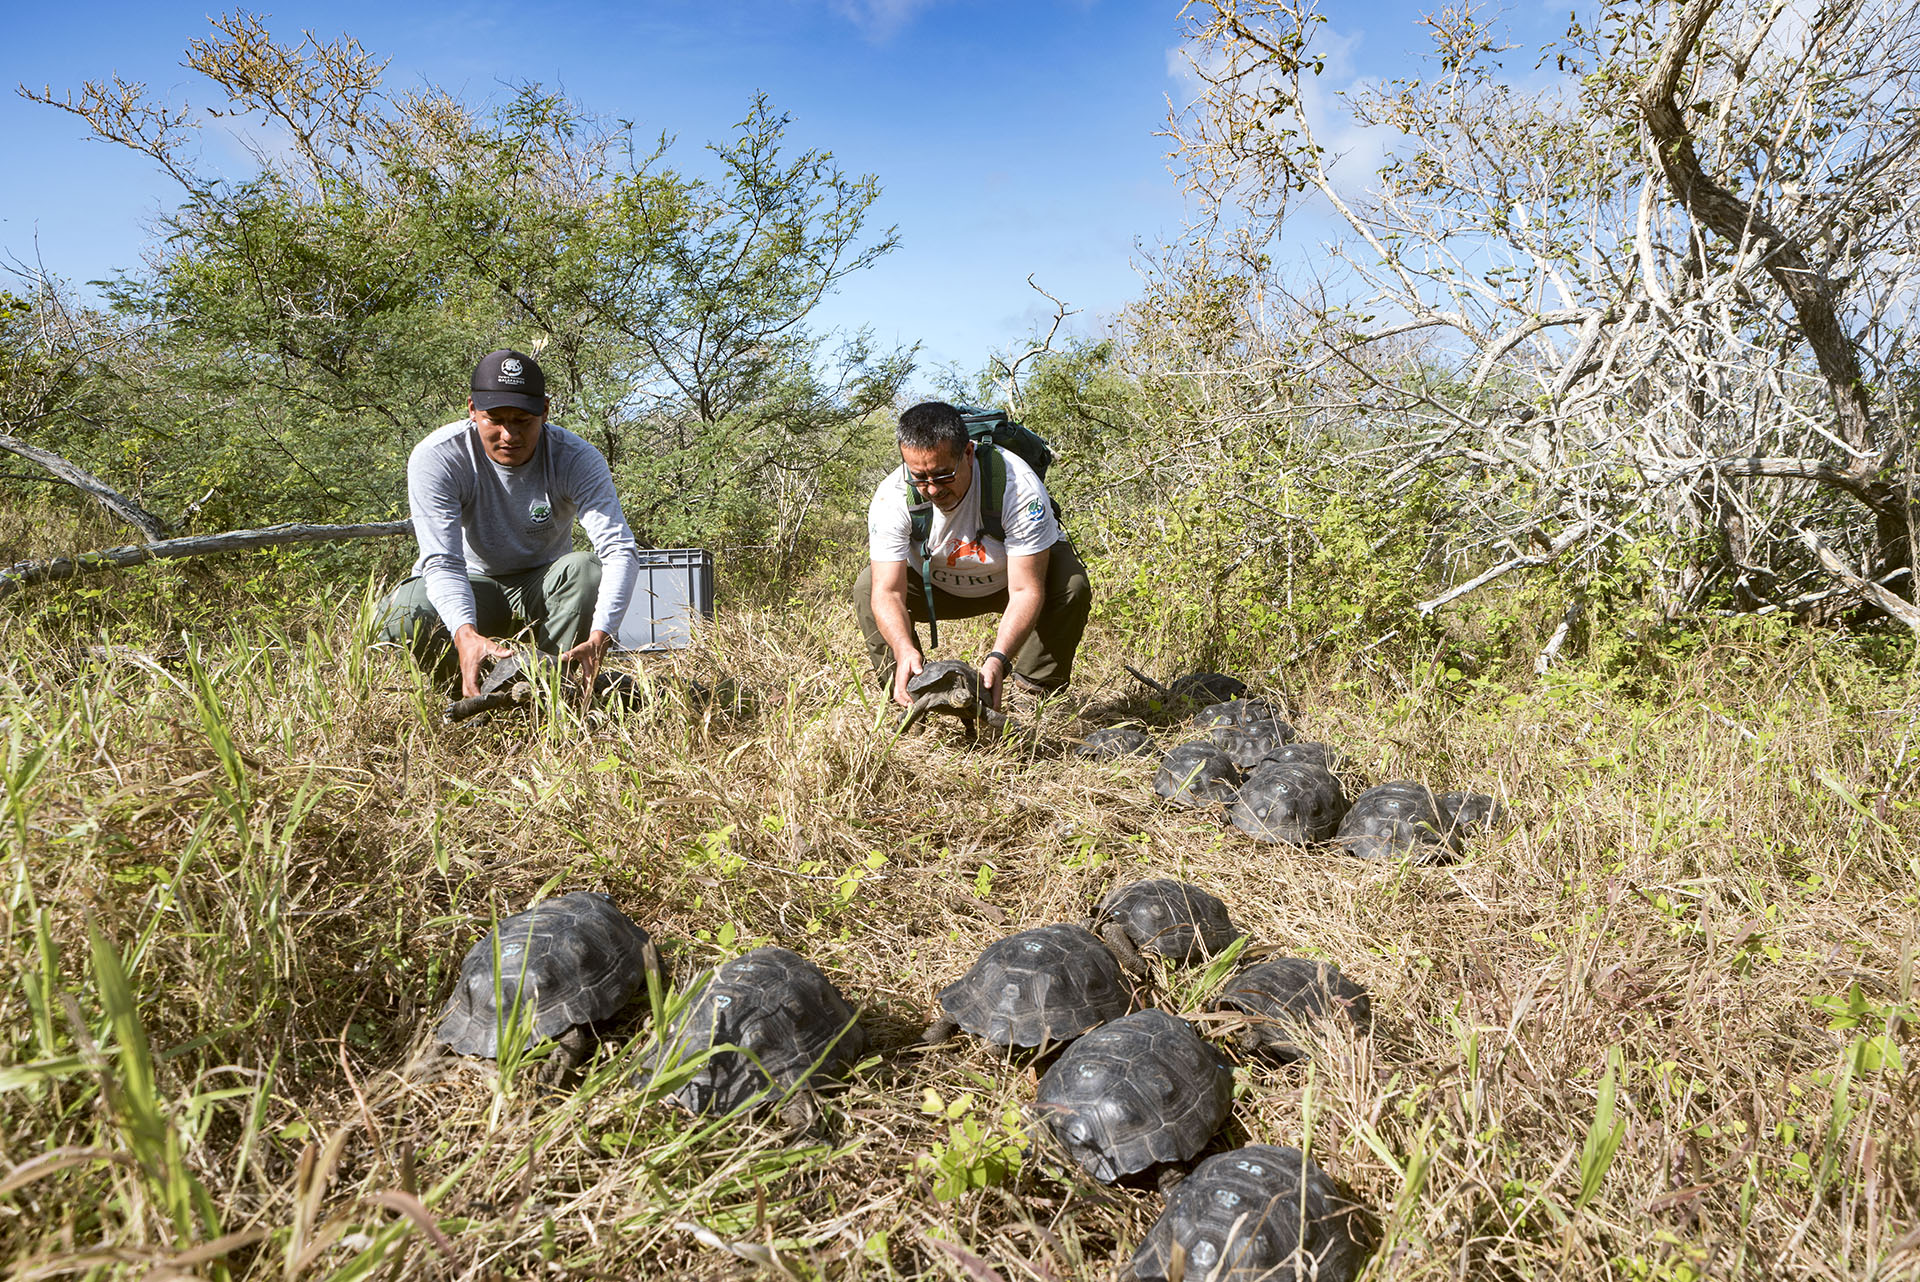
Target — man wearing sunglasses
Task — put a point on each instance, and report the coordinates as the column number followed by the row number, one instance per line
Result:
column 494, row 498
column 1029, row 575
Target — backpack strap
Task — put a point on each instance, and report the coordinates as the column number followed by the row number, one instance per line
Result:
column 993, row 490
column 920, row 519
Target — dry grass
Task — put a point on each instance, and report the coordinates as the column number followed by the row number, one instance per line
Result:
column 290, row 855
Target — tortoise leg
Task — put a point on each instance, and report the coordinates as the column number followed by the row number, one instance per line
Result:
column 804, row 1116
column 1114, row 935
column 1169, row 1178
column 570, row 1050
column 915, row 711
column 940, row 1030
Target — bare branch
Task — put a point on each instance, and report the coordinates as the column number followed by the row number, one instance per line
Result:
column 27, row 573
column 1567, row 538
column 109, row 498
column 1865, row 589
column 1011, row 368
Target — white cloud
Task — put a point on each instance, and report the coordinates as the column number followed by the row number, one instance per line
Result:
column 880, row 20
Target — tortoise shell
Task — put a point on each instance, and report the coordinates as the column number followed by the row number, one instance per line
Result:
column 1206, row 687
column 777, row 1008
column 1142, row 1090
column 1291, row 801
column 1049, row 984
column 1250, row 742
column 1169, row 918
column 1197, row 774
column 1304, row 750
column 1394, row 819
column 1262, row 1213
column 565, row 961
column 946, row 685
column 1114, row 742
column 1235, row 712
column 1467, row 813
column 1280, row 994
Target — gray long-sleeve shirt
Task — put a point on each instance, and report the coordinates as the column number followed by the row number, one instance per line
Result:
column 472, row 515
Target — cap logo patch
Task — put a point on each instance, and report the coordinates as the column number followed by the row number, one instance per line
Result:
column 510, row 369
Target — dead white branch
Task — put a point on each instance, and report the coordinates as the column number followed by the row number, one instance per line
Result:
column 1865, row 589
column 26, row 573
column 1568, row 537
column 1558, row 640
column 108, row 497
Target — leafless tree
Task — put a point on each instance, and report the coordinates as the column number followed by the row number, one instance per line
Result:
column 1658, row 302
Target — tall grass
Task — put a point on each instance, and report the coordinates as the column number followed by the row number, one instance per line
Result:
column 1661, row 1027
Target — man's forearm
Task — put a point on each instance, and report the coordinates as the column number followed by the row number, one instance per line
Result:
column 890, row 614
column 1016, row 623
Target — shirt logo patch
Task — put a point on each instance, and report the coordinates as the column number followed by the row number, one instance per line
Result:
column 1033, row 510
column 539, row 512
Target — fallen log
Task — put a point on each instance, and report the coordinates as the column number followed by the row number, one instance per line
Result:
column 27, row 573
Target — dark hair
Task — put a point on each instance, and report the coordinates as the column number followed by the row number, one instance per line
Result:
column 931, row 424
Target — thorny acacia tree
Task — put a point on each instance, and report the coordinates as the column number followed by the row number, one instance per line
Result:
column 314, row 319
column 1652, row 311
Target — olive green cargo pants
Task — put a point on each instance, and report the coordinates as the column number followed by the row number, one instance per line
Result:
column 557, row 599
column 1045, row 658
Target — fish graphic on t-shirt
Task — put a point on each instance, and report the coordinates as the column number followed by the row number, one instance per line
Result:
column 966, row 550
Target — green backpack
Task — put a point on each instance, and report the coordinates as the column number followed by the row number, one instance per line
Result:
column 990, row 431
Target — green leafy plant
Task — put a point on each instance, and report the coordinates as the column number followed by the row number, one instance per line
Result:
column 980, row 1150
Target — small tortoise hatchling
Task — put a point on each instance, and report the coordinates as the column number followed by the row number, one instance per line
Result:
column 1192, row 690
column 792, row 1028
column 1197, row 774
column 1111, row 743
column 1140, row 1092
column 1250, row 742
column 564, row 964
column 1167, row 918
column 1317, row 754
column 1394, row 819
column 1469, row 813
column 1279, row 996
column 1291, row 801
column 951, row 687
column 1261, row 1213
column 1235, row 712
column 1037, row 987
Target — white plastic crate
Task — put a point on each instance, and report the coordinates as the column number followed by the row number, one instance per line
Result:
column 673, row 588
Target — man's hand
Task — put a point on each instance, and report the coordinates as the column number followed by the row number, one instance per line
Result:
column 588, row 655
column 993, row 679
column 906, row 667
column 475, row 650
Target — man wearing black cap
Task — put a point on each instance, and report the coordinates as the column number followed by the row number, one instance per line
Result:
column 494, row 498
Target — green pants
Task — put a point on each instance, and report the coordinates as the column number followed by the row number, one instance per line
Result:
column 1045, row 657
column 557, row 599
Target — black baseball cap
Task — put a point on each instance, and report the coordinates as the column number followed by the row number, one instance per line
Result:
column 511, row 378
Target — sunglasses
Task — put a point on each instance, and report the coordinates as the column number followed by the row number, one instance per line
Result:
column 932, row 478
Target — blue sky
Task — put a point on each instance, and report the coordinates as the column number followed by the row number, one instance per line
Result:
column 1009, row 138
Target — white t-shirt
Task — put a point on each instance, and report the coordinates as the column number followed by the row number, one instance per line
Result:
column 965, row 561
